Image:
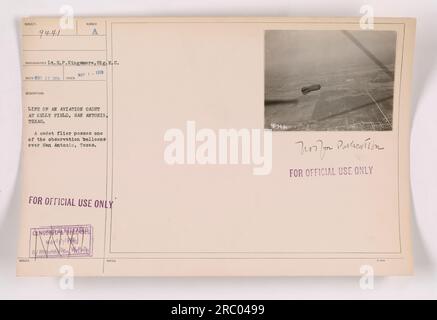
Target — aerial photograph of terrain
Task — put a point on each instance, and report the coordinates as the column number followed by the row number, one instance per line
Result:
column 329, row 80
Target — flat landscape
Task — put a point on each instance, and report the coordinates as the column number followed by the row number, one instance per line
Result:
column 352, row 98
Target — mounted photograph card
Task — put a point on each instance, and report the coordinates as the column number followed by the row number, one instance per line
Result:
column 215, row 146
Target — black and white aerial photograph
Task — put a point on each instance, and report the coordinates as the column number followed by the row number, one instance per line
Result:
column 329, row 80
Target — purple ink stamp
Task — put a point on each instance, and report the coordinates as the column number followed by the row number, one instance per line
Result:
column 67, row 241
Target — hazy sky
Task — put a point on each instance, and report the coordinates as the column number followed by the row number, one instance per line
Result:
column 297, row 53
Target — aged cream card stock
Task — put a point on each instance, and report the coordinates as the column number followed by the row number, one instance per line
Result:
column 215, row 146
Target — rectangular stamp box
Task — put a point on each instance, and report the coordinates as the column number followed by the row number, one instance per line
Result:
column 64, row 241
